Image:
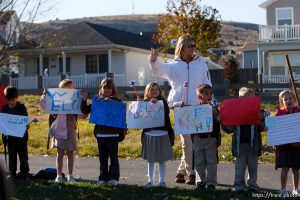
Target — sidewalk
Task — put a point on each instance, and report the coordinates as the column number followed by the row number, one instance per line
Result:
column 134, row 172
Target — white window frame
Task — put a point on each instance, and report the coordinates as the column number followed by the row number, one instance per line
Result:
column 284, row 8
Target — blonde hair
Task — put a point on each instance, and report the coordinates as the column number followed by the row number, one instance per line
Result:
column 65, row 83
column 148, row 88
column 282, row 95
column 244, row 90
column 108, row 83
column 183, row 42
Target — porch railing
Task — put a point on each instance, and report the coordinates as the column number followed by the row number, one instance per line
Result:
column 87, row 80
column 278, row 78
column 279, row 33
column 26, row 83
column 51, row 81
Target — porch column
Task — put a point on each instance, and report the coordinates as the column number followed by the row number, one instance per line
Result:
column 259, row 66
column 41, row 64
column 109, row 60
column 64, row 62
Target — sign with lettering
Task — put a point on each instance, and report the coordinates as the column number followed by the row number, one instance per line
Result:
column 144, row 114
column 283, row 129
column 13, row 125
column 108, row 113
column 193, row 119
column 63, row 101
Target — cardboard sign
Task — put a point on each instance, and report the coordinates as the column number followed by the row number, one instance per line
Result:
column 13, row 125
column 63, row 101
column 144, row 114
column 193, row 119
column 283, row 129
column 108, row 113
column 240, row 111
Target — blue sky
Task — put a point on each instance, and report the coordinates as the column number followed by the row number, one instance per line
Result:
column 230, row 10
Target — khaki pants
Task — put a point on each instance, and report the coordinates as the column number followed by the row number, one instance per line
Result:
column 246, row 158
column 185, row 166
column 205, row 158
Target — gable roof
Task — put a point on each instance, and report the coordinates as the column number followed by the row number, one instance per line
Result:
column 267, row 3
column 89, row 34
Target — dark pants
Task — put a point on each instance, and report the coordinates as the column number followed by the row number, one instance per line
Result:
column 17, row 146
column 108, row 148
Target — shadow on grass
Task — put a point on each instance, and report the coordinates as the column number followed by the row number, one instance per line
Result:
column 85, row 190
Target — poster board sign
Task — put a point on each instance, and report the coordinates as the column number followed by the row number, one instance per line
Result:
column 240, row 111
column 108, row 113
column 13, row 125
column 63, row 101
column 193, row 119
column 144, row 114
column 283, row 129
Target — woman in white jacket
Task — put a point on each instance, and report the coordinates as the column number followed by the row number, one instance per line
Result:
column 186, row 67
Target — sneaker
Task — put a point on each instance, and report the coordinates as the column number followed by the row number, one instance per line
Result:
column 211, row 187
column 71, row 179
column 149, row 185
column 179, row 178
column 199, row 186
column 296, row 193
column 283, row 191
column 101, row 182
column 162, row 184
column 59, row 179
column 190, row 180
column 113, row 183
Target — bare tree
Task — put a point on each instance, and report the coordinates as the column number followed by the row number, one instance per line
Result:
column 16, row 21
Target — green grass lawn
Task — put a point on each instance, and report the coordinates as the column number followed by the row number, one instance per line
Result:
column 43, row 190
column 130, row 147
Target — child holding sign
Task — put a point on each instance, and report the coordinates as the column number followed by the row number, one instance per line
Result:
column 246, row 147
column 157, row 142
column 205, row 145
column 107, row 137
column 288, row 155
column 16, row 145
column 63, row 128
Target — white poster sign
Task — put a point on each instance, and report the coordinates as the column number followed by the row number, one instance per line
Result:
column 283, row 129
column 144, row 114
column 63, row 101
column 193, row 119
column 13, row 125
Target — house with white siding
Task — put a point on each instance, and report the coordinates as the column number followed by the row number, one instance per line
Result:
column 85, row 53
column 279, row 37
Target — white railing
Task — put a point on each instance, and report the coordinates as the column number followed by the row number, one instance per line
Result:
column 120, row 80
column 24, row 83
column 279, row 33
column 278, row 78
column 51, row 81
column 87, row 80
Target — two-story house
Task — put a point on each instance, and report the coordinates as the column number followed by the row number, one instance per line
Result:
column 279, row 37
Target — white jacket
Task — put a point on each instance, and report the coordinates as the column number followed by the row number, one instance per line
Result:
column 177, row 72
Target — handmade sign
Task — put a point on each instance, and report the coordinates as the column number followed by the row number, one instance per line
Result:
column 240, row 111
column 63, row 101
column 108, row 113
column 283, row 129
column 193, row 119
column 144, row 114
column 13, row 125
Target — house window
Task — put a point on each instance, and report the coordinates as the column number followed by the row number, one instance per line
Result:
column 284, row 16
column 45, row 65
column 277, row 64
column 103, row 63
column 96, row 63
column 295, row 62
column 91, row 64
column 68, row 65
